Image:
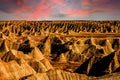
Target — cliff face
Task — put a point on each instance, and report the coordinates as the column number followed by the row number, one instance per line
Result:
column 71, row 50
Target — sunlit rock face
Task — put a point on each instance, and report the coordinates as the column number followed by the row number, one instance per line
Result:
column 59, row 50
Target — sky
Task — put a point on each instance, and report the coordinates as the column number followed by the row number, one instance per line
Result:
column 59, row 10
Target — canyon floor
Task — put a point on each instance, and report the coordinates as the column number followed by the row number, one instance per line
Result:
column 59, row 50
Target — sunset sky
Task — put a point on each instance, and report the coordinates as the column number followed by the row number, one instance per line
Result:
column 59, row 9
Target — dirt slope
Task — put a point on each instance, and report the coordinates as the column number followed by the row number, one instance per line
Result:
column 59, row 50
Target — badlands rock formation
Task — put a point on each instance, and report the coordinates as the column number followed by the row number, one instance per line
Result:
column 59, row 50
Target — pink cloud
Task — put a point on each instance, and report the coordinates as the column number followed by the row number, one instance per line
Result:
column 85, row 2
column 43, row 9
column 14, row 6
column 101, row 6
column 59, row 2
column 75, row 12
column 94, row 2
column 20, row 2
column 32, row 11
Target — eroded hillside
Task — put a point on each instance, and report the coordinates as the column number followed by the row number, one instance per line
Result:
column 59, row 50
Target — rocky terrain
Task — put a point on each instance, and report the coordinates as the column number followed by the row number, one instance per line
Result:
column 59, row 50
